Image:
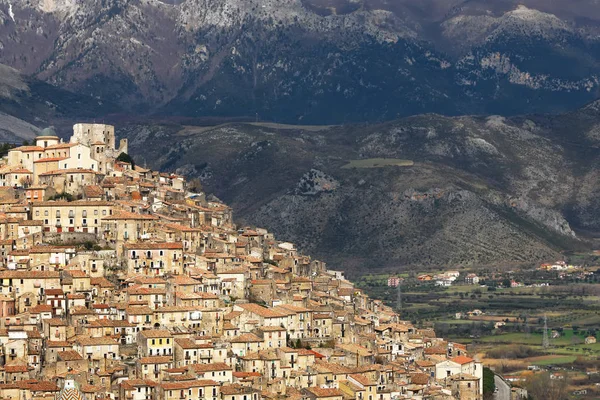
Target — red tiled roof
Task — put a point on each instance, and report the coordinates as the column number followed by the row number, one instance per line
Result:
column 325, row 392
column 462, row 360
column 188, row 384
column 125, row 215
column 93, row 191
column 154, row 246
column 50, row 159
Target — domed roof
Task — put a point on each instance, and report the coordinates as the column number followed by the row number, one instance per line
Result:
column 70, row 390
column 49, row 131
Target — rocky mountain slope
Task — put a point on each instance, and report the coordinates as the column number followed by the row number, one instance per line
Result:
column 425, row 190
column 310, row 61
column 28, row 105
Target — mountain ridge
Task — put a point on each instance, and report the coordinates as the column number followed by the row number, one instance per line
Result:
column 424, row 190
column 302, row 61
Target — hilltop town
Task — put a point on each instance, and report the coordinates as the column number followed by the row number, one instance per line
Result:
column 119, row 282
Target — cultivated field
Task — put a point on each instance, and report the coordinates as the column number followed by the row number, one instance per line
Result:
column 379, row 163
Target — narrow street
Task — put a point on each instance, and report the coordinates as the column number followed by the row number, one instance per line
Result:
column 503, row 392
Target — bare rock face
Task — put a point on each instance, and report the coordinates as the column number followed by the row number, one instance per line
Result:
column 315, row 182
column 320, row 61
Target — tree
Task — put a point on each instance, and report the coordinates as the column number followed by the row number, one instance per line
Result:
column 195, row 185
column 62, row 196
column 124, row 157
column 541, row 387
column 488, row 383
column 5, row 148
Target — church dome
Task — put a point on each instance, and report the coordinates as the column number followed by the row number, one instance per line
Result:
column 70, row 391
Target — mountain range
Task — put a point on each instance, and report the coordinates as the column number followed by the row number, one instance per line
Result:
column 310, row 61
